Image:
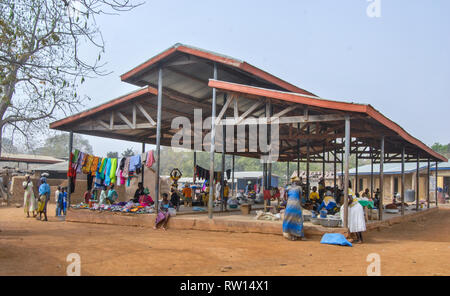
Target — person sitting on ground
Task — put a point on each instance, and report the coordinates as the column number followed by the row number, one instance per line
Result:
column 314, row 198
column 163, row 214
column 138, row 193
column 328, row 203
column 87, row 196
column 112, row 195
column 103, row 196
column 146, row 200
column 175, row 198
column 187, row 194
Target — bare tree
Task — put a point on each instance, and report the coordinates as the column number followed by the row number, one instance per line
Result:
column 40, row 61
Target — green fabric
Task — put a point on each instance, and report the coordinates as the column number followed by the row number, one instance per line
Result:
column 112, row 174
column 367, row 203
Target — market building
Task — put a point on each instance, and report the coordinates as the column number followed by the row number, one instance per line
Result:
column 188, row 82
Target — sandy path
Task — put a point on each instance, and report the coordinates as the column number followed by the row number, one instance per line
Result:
column 31, row 247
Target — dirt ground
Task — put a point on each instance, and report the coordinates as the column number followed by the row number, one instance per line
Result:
column 31, row 247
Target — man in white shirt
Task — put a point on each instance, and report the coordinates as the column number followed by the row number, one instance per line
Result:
column 56, row 199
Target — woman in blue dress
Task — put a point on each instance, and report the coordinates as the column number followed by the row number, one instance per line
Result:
column 293, row 219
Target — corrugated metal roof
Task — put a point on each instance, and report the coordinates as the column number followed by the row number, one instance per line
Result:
column 396, row 168
column 29, row 158
column 57, row 167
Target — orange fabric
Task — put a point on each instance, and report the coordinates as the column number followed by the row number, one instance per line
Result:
column 187, row 192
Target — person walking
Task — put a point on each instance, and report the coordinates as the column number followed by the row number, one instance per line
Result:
column 293, row 218
column 29, row 200
column 44, row 197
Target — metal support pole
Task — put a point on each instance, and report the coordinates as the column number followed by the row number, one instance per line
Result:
column 417, row 183
column 346, row 169
column 213, row 144
column 371, row 173
column 69, row 180
column 335, row 171
column 428, row 183
column 307, row 166
column 232, row 176
column 436, row 185
column 142, row 167
column 356, row 171
column 222, row 177
column 269, row 139
column 298, row 152
column 195, row 167
column 380, row 208
column 287, row 173
column 158, row 139
column 323, row 163
column 403, row 182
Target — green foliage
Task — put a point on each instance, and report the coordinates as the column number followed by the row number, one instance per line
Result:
column 9, row 147
column 112, row 154
column 127, row 153
column 442, row 149
column 58, row 146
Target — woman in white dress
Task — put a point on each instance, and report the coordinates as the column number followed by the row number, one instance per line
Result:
column 356, row 217
column 29, row 200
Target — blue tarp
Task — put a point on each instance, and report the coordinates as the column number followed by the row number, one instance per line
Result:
column 335, row 239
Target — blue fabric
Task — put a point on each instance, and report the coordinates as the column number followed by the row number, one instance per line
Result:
column 44, row 189
column 335, row 239
column 135, row 162
column 293, row 219
column 107, row 172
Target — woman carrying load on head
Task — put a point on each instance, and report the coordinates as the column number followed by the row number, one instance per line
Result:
column 293, row 219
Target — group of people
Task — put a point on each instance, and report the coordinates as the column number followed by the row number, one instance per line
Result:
column 36, row 205
column 293, row 217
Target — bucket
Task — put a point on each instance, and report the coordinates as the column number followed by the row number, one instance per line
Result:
column 245, row 209
column 323, row 213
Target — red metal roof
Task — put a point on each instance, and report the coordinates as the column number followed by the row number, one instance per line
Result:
column 112, row 103
column 319, row 102
column 244, row 66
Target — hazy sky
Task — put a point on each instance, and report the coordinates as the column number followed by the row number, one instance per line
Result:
column 399, row 63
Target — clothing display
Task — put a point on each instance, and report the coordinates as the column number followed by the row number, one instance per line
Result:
column 103, row 172
column 203, row 174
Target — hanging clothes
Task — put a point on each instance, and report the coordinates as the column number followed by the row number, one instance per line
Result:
column 107, row 172
column 228, row 174
column 150, row 159
column 126, row 168
column 113, row 173
column 94, row 166
column 80, row 162
column 135, row 163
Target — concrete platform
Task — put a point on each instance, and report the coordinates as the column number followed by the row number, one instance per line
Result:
column 226, row 221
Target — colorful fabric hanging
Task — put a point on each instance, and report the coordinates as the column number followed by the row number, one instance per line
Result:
column 150, row 159
column 113, row 173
